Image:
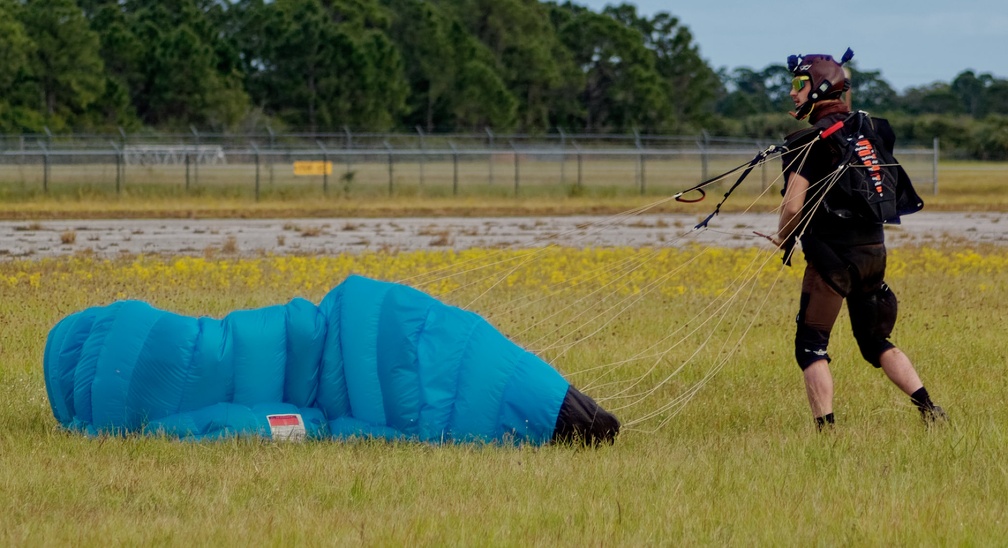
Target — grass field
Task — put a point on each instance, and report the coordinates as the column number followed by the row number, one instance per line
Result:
column 739, row 463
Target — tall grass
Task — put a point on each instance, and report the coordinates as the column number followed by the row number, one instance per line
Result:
column 739, row 464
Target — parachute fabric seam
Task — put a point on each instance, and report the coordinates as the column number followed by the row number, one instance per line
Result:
column 422, row 403
column 67, row 397
column 458, row 379
column 189, row 369
column 101, row 352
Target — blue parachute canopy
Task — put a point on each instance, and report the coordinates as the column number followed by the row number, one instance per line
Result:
column 373, row 359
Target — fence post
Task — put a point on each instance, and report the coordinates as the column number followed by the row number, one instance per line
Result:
column 423, row 154
column 348, row 145
column 455, row 160
column 517, row 168
column 934, row 167
column 391, row 173
column 703, row 144
column 325, row 163
column 490, row 147
column 563, row 156
column 640, row 160
column 122, row 159
column 256, row 149
column 187, row 171
column 579, row 163
column 118, row 157
column 196, row 135
column 45, row 168
column 272, row 147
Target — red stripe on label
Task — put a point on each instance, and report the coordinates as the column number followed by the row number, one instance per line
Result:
column 284, row 420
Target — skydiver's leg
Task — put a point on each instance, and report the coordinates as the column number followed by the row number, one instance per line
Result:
column 873, row 316
column 900, row 370
column 819, row 388
column 820, row 305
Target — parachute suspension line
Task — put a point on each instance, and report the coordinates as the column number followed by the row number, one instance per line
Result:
column 622, row 268
column 585, row 231
column 606, row 222
column 452, row 271
column 721, row 307
column 751, row 275
column 752, row 279
column 759, row 159
column 620, row 304
column 448, row 270
column 700, row 186
column 647, row 353
column 680, row 402
column 705, row 313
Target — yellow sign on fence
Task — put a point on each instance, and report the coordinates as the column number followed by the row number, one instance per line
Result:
column 312, row 168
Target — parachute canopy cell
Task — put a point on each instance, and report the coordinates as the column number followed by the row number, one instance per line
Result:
column 373, row 359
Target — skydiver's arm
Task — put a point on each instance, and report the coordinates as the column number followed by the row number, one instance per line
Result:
column 791, row 209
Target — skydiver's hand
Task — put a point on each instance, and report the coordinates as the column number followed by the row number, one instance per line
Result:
column 775, row 239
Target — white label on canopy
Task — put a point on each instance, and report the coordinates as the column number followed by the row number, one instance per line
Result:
column 289, row 427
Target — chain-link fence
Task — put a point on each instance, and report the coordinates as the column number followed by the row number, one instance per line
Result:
column 370, row 164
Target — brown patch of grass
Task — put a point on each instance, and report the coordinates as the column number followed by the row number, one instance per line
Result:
column 68, row 237
column 31, row 227
column 429, row 230
column 442, row 239
column 230, row 245
column 311, row 231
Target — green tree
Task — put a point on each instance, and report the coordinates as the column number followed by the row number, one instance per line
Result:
column 870, row 92
column 17, row 51
column 996, row 97
column 936, row 98
column 691, row 85
column 121, row 52
column 622, row 90
column 971, row 92
column 324, row 65
column 749, row 94
column 451, row 76
column 67, row 71
column 179, row 76
column 528, row 57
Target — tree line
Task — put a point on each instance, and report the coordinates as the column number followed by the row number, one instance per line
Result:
column 428, row 65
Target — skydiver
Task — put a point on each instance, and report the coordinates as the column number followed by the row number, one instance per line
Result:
column 845, row 253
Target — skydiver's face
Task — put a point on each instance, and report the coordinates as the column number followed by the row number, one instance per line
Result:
column 800, row 89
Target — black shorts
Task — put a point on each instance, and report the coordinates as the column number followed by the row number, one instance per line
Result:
column 855, row 274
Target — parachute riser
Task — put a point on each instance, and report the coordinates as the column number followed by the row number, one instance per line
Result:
column 760, row 157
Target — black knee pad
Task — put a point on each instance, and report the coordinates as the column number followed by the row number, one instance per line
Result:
column 873, row 316
column 810, row 343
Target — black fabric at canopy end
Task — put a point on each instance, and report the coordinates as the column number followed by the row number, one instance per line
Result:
column 582, row 422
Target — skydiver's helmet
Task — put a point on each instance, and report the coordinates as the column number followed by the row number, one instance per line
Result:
column 827, row 77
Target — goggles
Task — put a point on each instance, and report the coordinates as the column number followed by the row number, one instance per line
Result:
column 799, row 82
